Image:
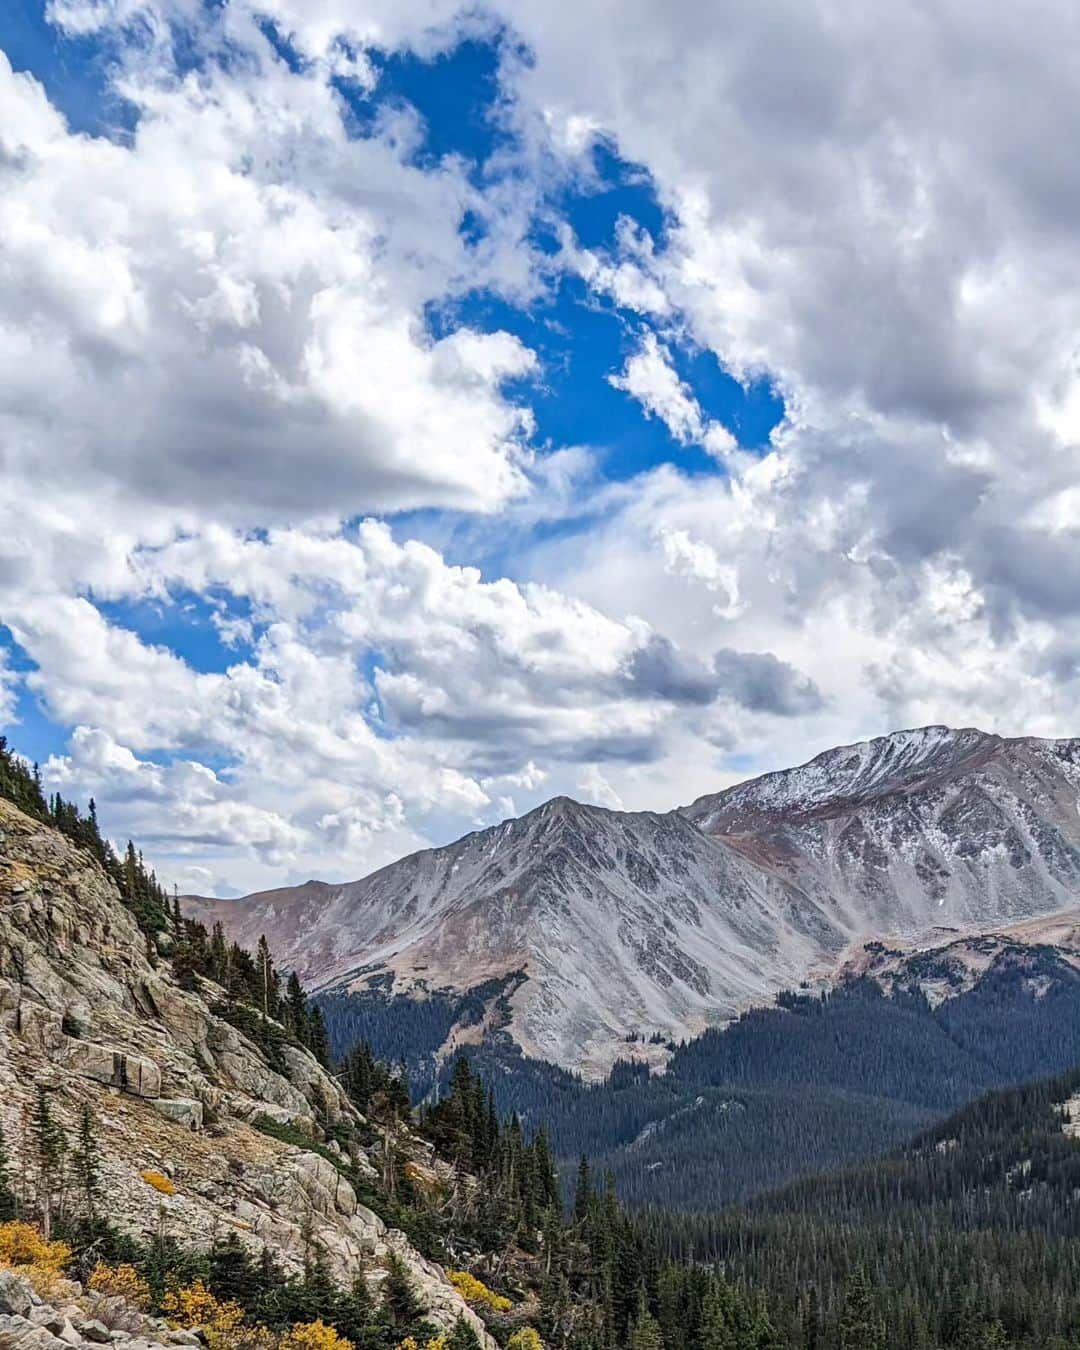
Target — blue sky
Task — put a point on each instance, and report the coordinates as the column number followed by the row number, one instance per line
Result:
column 412, row 411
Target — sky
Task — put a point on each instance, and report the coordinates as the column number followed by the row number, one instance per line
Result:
column 413, row 411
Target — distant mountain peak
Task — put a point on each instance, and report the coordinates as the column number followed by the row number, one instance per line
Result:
column 662, row 924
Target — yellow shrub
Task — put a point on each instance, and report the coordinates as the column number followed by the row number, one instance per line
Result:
column 21, row 1244
column 527, row 1338
column 194, row 1305
column 411, row 1343
column 473, row 1290
column 314, row 1336
column 120, row 1281
column 159, row 1182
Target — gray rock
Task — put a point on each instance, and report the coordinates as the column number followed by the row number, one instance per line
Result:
column 16, row 1295
column 130, row 1073
column 19, row 1333
column 96, row 1331
column 186, row 1111
column 48, row 1317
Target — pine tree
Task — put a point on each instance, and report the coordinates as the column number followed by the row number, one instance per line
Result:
column 50, row 1151
column 86, row 1167
column 645, row 1334
column 582, row 1191
column 316, row 1039
column 401, row 1306
column 296, row 1008
column 356, row 1312
column 8, row 1205
column 462, row 1337
column 264, row 973
column 861, row 1327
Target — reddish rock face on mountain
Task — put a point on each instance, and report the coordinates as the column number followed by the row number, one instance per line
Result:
column 604, row 923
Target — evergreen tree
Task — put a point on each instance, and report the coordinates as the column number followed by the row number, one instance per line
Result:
column 463, row 1337
column 401, row 1306
column 8, row 1206
column 861, row 1327
column 582, row 1191
column 645, row 1334
column 356, row 1318
column 50, row 1152
column 86, row 1168
column 296, row 1019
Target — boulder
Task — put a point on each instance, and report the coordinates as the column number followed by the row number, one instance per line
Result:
column 186, row 1111
column 131, row 1073
column 19, row 1333
column 39, row 1026
column 96, row 1331
column 16, row 1294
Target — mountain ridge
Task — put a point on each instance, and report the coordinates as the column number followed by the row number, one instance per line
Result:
column 665, row 923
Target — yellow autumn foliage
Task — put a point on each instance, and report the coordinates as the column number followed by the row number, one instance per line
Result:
column 314, row 1336
column 159, row 1181
column 121, row 1281
column 21, row 1245
column 193, row 1305
column 411, row 1343
column 525, row 1338
column 473, row 1290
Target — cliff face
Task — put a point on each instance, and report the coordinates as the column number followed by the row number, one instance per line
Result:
column 89, row 1012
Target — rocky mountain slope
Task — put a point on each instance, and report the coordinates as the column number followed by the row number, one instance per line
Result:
column 89, row 1012
column 1033, row 954
column 595, row 925
column 592, row 922
column 921, row 828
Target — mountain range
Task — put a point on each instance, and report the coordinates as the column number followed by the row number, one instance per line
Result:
column 588, row 932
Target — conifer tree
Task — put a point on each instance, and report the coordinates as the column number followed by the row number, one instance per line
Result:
column 645, row 1334
column 462, row 1337
column 296, row 1008
column 861, row 1327
column 582, row 1191
column 401, row 1307
column 356, row 1312
column 8, row 1205
column 264, row 973
column 86, row 1167
column 49, row 1151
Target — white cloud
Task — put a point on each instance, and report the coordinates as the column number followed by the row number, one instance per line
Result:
column 652, row 379
column 214, row 337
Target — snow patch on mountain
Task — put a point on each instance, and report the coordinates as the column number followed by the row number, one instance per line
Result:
column 665, row 923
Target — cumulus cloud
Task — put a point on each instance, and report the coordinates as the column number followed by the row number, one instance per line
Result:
column 246, row 279
column 214, row 334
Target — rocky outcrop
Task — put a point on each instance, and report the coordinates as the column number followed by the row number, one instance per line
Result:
column 91, row 1012
column 29, row 1323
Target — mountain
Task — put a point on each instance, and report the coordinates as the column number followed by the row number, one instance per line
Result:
column 586, row 927
column 917, row 829
column 818, row 1079
column 588, row 923
column 201, row 1128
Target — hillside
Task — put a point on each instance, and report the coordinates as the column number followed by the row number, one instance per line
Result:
column 586, row 926
column 968, row 1236
column 812, row 1082
column 94, row 1015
